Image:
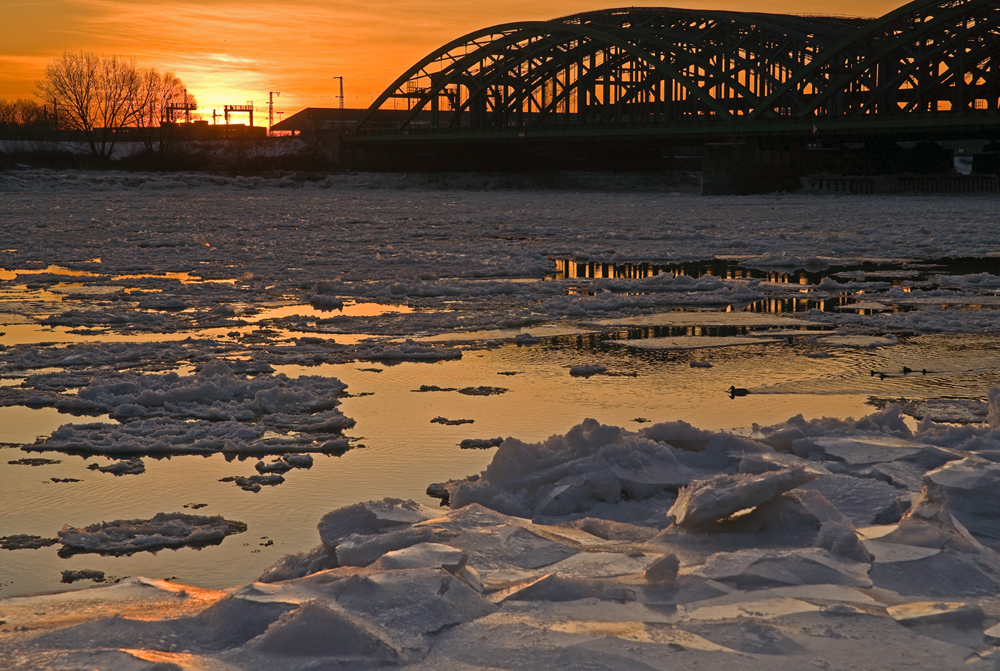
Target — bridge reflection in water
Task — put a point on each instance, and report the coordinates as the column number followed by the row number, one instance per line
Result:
column 896, row 275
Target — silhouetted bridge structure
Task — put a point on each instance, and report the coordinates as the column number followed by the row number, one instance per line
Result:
column 632, row 87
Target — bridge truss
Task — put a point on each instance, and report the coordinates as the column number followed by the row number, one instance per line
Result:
column 930, row 62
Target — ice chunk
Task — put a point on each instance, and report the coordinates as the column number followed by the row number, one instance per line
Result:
column 324, row 630
column 791, row 520
column 412, row 603
column 411, row 351
column 560, row 588
column 617, row 531
column 663, row 570
column 214, row 393
column 964, row 567
column 968, row 489
column 943, row 575
column 840, row 539
column 590, row 465
column 423, row 555
column 253, row 483
column 371, row 517
column 167, row 436
column 483, row 391
column 285, row 463
column 82, row 574
column 706, row 501
column 133, row 466
column 214, row 410
column 362, row 550
column 27, row 461
column 509, row 547
column 937, row 612
column 25, row 542
column 324, row 302
column 868, row 448
column 300, row 564
column 864, row 500
column 481, row 443
column 163, row 530
column 887, row 553
column 760, row 568
column 227, row 623
column 601, row 564
column 587, row 370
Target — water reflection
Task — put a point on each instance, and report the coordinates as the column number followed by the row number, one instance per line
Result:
column 406, row 451
column 349, row 309
column 7, row 274
column 895, row 273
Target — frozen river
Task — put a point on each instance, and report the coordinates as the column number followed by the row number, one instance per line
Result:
column 118, row 292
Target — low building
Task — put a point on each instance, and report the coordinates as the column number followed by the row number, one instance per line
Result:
column 333, row 119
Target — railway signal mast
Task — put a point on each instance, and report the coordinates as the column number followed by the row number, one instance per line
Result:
column 270, row 109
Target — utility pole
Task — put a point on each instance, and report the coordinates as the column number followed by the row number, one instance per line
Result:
column 341, row 90
column 341, row 102
column 270, row 109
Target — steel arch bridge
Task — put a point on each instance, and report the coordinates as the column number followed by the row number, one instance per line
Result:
column 929, row 67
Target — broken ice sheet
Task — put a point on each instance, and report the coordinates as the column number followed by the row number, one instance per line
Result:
column 214, row 410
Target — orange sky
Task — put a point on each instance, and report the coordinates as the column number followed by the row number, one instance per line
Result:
column 232, row 51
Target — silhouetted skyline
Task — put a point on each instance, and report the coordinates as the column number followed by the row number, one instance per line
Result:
column 230, row 52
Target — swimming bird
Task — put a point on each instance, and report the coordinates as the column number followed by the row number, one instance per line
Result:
column 907, row 370
column 736, row 391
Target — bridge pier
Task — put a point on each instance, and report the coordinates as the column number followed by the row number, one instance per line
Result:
column 742, row 168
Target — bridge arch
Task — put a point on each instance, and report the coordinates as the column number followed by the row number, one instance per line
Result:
column 657, row 66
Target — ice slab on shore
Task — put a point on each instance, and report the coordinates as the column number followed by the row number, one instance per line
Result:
column 400, row 583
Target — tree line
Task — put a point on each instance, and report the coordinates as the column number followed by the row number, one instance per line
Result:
column 97, row 96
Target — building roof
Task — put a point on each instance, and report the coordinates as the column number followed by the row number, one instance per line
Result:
column 333, row 118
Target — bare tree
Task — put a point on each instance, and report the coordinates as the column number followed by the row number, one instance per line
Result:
column 20, row 113
column 25, row 120
column 156, row 93
column 99, row 95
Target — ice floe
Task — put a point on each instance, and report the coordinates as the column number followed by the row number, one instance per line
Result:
column 163, row 530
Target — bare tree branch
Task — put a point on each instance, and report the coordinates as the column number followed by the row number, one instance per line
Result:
column 100, row 95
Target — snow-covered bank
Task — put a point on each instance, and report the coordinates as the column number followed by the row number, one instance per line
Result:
column 832, row 542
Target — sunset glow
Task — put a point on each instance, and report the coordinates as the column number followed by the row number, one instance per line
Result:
column 230, row 52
